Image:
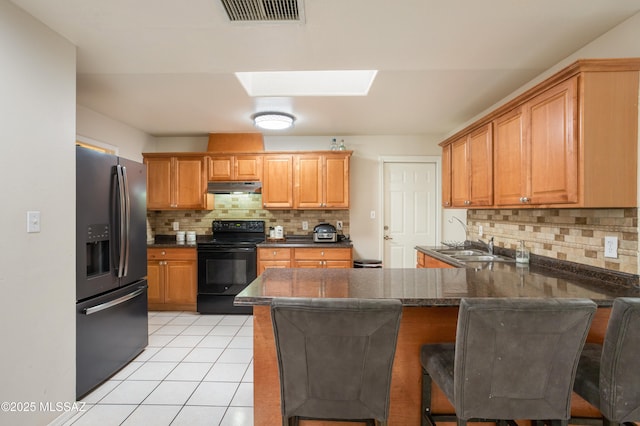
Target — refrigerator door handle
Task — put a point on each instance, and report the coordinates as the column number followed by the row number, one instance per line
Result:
column 115, row 302
column 121, row 219
column 127, row 215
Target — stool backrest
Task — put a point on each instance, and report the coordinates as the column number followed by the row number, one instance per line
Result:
column 335, row 356
column 517, row 358
column 619, row 378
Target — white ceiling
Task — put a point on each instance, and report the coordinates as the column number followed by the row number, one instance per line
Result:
column 166, row 66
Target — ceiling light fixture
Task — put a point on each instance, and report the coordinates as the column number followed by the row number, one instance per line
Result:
column 273, row 120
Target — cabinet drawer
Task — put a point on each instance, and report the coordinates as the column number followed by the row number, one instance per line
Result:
column 322, row 254
column 172, row 253
column 274, row 254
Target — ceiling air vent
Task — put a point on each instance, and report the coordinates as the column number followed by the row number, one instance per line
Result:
column 263, row 10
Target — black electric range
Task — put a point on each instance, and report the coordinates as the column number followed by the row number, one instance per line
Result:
column 227, row 264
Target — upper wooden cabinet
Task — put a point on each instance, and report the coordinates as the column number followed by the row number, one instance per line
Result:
column 176, row 182
column 446, row 176
column 235, row 167
column 536, row 152
column 569, row 142
column 472, row 169
column 277, row 181
column 321, row 181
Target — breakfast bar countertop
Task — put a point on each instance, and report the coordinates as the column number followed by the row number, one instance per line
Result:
column 427, row 287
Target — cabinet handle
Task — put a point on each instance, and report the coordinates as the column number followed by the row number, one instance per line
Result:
column 321, row 253
column 164, row 253
column 275, row 252
column 524, row 199
column 467, row 202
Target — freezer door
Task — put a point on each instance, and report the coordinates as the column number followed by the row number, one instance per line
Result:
column 111, row 330
column 94, row 228
column 136, row 232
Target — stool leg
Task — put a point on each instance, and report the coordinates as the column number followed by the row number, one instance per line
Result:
column 425, row 405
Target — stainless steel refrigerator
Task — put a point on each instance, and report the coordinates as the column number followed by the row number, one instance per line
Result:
column 111, row 265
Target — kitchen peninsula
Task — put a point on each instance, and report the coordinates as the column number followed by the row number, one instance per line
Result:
column 430, row 300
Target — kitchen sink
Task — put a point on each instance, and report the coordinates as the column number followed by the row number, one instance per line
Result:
column 485, row 257
column 460, row 252
column 472, row 255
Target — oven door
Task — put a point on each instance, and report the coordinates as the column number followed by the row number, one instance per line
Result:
column 225, row 270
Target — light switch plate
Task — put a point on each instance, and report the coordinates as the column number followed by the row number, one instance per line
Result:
column 33, row 221
column 611, row 247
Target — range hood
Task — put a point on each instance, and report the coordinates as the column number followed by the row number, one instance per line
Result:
column 234, row 187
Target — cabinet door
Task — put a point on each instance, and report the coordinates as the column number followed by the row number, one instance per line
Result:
column 248, row 168
column 220, row 168
column 308, row 264
column 155, row 280
column 336, row 182
column 277, row 188
column 266, row 264
column 480, row 162
column 552, row 135
column 190, row 182
column 460, row 173
column 338, row 264
column 181, row 283
column 308, row 182
column 430, row 262
column 159, row 187
column 510, row 158
column 446, row 176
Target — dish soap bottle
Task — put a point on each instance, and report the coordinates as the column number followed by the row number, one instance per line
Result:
column 522, row 254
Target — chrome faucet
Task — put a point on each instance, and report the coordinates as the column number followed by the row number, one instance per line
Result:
column 488, row 246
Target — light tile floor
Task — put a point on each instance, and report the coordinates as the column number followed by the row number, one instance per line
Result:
column 197, row 370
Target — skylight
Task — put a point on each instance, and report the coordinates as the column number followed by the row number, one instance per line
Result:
column 307, row 83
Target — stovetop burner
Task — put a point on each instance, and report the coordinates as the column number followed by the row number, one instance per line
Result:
column 235, row 233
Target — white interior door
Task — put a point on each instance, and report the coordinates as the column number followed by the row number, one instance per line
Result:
column 411, row 210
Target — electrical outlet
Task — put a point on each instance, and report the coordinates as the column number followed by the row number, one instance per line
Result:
column 305, row 225
column 611, row 247
column 339, row 225
column 480, row 231
column 372, row 214
column 176, row 226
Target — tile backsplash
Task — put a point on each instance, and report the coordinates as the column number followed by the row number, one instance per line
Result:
column 575, row 235
column 243, row 206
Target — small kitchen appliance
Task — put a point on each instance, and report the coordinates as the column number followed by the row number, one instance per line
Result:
column 325, row 233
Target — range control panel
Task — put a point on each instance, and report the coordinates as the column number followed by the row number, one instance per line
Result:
column 233, row 226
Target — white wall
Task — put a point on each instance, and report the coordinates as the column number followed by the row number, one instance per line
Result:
column 619, row 42
column 130, row 142
column 37, row 170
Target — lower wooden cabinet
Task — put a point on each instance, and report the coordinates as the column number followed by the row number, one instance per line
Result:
column 322, row 258
column 424, row 261
column 172, row 275
column 278, row 257
column 273, row 258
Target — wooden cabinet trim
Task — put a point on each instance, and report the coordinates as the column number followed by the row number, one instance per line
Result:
column 322, row 254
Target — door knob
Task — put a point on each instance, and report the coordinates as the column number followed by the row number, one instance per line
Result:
column 386, row 237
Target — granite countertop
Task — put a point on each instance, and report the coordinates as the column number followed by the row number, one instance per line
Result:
column 169, row 241
column 428, row 287
column 301, row 241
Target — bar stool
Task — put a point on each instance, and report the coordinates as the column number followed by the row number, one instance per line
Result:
column 512, row 359
column 607, row 374
column 335, row 357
